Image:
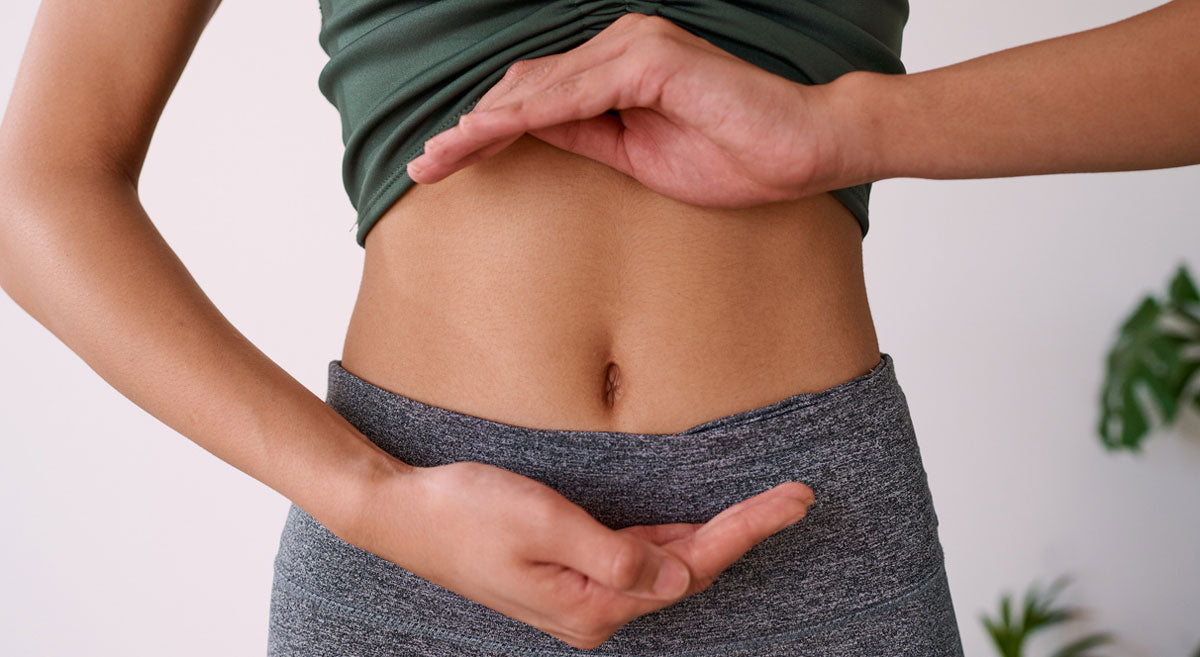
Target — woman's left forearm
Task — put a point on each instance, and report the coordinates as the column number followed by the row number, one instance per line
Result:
column 1120, row 97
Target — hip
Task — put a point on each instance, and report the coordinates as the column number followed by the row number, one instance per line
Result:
column 862, row 574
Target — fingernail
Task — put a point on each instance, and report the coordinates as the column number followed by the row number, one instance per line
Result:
column 803, row 512
column 807, row 497
column 672, row 579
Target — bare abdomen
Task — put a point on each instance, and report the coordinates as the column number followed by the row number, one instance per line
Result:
column 544, row 289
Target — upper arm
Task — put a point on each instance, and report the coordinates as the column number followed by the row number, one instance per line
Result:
column 94, row 79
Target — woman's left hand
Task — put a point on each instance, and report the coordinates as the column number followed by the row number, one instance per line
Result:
column 696, row 123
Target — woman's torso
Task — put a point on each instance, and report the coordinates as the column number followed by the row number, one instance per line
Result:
column 510, row 289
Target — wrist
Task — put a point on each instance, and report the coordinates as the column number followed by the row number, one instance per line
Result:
column 382, row 479
column 859, row 117
column 342, row 480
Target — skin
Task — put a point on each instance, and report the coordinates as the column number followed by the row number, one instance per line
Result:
column 1120, row 97
column 120, row 299
column 677, row 134
column 80, row 255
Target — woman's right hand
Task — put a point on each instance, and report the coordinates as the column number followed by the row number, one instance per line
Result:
column 517, row 546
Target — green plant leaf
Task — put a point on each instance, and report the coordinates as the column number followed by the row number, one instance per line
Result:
column 1056, row 587
column 1038, row 610
column 1122, row 423
column 1181, row 289
column 1006, row 638
column 1079, row 647
column 1000, row 637
column 1149, row 358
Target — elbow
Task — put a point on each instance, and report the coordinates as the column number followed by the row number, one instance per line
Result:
column 41, row 203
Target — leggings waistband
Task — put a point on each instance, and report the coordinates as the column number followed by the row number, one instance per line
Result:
column 869, row 539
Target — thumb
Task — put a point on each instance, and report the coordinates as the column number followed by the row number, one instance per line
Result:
column 600, row 138
column 618, row 560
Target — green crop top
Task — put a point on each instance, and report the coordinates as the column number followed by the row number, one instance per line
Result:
column 401, row 71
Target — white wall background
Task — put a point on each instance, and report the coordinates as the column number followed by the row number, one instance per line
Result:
column 998, row 299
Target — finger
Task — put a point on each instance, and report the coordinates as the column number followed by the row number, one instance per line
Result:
column 732, row 532
column 528, row 76
column 600, row 138
column 428, row 169
column 523, row 80
column 581, row 96
column 707, row 561
column 660, row 534
column 618, row 560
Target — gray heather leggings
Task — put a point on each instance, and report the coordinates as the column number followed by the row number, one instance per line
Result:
column 862, row 575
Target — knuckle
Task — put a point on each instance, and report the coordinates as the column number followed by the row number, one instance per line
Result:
column 630, row 19
column 518, row 69
column 655, row 23
column 467, row 471
column 432, row 147
column 539, row 515
column 541, row 508
column 466, row 125
column 529, row 70
column 447, row 478
column 627, row 563
column 649, row 24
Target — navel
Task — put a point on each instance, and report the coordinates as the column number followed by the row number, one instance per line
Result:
column 612, row 384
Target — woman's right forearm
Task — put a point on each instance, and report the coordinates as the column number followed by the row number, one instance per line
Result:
column 79, row 254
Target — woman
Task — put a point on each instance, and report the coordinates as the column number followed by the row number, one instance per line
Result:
column 568, row 370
